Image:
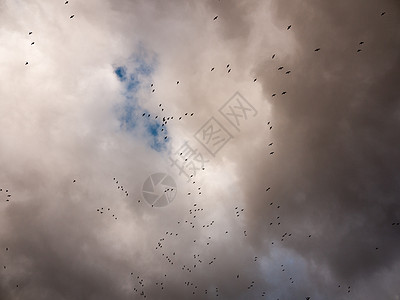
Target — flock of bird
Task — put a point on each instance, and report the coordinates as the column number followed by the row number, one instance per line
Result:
column 188, row 265
column 6, row 194
column 187, row 231
column 30, row 32
column 197, row 228
column 165, row 118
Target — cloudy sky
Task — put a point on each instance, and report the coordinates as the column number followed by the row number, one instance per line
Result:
column 199, row 149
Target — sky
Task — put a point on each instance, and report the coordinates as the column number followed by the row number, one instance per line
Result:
column 199, row 149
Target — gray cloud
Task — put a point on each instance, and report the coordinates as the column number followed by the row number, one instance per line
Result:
column 333, row 174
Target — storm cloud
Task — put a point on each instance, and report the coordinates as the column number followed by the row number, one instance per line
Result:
column 301, row 201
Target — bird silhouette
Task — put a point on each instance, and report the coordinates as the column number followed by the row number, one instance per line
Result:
column 216, row 17
column 72, row 16
column 317, row 49
column 290, row 26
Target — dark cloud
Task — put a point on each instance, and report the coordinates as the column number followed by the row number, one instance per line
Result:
column 333, row 177
column 335, row 173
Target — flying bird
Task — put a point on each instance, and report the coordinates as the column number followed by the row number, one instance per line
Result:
column 280, row 68
column 30, row 32
column 212, row 69
column 216, row 17
column 273, row 95
column 32, row 43
column 317, row 49
column 289, row 27
column 383, row 13
column 255, row 79
column 273, row 56
column 72, row 16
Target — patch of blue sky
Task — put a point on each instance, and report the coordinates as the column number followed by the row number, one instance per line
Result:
column 158, row 142
column 134, row 75
column 143, row 68
column 121, row 73
column 128, row 117
column 133, row 83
